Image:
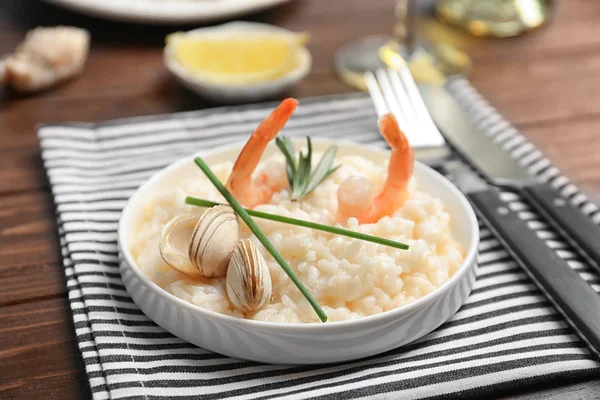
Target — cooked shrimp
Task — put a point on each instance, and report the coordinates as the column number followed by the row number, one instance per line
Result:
column 355, row 194
column 252, row 192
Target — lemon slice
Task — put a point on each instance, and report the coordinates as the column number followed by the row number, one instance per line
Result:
column 236, row 56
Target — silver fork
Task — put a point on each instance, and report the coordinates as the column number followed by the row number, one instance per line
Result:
column 391, row 91
column 396, row 91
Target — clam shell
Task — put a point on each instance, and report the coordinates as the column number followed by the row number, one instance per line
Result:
column 174, row 242
column 248, row 279
column 213, row 241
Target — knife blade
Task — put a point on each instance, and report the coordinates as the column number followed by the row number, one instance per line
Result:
column 496, row 165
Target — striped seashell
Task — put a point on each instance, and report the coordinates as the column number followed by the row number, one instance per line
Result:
column 201, row 246
column 248, row 279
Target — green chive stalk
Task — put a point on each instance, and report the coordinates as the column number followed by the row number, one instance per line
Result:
column 307, row 224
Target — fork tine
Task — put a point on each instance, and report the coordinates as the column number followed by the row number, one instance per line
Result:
column 416, row 101
column 390, row 98
column 403, row 99
column 376, row 96
column 395, row 91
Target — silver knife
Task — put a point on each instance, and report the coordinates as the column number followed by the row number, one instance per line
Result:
column 573, row 296
column 496, row 165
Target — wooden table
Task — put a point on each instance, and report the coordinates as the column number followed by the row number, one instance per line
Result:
column 547, row 83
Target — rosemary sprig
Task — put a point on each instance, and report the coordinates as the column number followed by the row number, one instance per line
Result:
column 307, row 224
column 301, row 177
column 260, row 236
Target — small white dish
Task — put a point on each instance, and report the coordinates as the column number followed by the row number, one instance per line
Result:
column 313, row 343
column 166, row 12
column 238, row 92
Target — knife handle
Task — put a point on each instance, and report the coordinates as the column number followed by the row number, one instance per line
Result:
column 575, row 225
column 565, row 287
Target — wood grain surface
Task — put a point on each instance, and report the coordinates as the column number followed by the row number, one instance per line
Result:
column 546, row 82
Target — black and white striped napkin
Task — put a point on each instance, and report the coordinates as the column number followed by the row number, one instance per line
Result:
column 507, row 335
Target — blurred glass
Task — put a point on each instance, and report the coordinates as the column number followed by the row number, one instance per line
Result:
column 497, row 18
column 429, row 60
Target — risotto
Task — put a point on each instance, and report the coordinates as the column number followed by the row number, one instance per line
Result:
column 349, row 278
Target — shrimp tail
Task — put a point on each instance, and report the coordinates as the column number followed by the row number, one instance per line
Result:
column 270, row 126
column 390, row 130
column 240, row 182
column 400, row 167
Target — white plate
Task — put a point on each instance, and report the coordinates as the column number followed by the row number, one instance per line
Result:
column 166, row 11
column 296, row 343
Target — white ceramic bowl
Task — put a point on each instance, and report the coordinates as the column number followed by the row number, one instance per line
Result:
column 296, row 343
column 229, row 93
